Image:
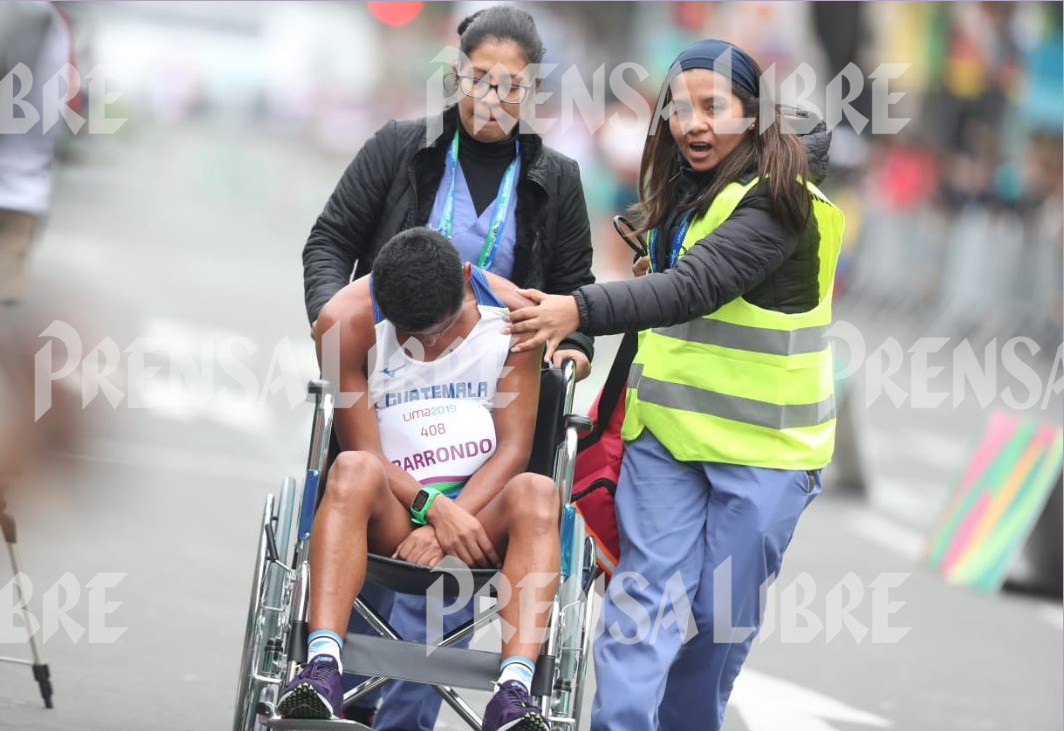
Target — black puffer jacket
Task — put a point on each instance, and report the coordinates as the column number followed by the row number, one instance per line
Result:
column 391, row 184
column 749, row 254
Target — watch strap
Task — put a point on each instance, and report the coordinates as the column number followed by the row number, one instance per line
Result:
column 420, row 517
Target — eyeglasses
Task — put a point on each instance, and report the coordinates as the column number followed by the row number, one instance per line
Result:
column 479, row 88
column 440, row 328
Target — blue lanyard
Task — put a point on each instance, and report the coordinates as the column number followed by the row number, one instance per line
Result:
column 502, row 203
column 677, row 242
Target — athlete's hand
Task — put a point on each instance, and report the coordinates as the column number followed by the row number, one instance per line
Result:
column 420, row 547
column 460, row 534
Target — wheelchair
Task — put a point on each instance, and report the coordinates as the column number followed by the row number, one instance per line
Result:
column 275, row 643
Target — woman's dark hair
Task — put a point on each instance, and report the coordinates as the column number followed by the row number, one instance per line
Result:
column 417, row 279
column 502, row 23
column 778, row 157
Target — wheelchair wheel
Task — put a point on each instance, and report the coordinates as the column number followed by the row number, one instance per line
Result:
column 262, row 663
column 590, row 571
column 573, row 647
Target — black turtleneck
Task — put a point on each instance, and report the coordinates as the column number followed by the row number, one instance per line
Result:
column 484, row 164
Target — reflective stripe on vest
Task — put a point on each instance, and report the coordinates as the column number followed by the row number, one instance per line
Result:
column 741, row 337
column 736, row 408
column 743, row 385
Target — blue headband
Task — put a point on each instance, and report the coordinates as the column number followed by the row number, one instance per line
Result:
column 704, row 54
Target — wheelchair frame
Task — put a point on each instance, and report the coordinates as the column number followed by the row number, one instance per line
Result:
column 275, row 637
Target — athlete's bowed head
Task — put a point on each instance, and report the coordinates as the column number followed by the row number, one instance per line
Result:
column 418, row 283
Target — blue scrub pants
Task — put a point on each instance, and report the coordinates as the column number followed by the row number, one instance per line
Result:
column 414, row 706
column 380, row 598
column 403, row 706
column 679, row 521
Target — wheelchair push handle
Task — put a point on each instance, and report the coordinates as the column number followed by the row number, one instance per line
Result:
column 317, row 387
column 569, row 377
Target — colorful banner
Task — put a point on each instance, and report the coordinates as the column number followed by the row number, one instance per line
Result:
column 1003, row 491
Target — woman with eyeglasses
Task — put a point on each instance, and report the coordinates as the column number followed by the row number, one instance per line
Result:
column 509, row 204
column 730, row 402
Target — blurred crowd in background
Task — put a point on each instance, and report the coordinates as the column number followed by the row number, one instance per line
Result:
column 956, row 221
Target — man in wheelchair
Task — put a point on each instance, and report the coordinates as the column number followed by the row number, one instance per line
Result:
column 433, row 461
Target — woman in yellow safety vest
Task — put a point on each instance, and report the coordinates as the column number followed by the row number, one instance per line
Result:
column 730, row 403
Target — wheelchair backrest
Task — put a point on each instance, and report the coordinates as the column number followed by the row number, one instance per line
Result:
column 550, row 422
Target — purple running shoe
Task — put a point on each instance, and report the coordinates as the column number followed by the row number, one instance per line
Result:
column 315, row 692
column 512, row 709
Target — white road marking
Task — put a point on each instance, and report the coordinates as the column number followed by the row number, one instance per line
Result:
column 1053, row 615
column 765, row 703
column 915, row 502
column 886, row 533
column 942, row 454
column 174, row 459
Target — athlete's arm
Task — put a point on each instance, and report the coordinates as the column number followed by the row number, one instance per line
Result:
column 516, row 397
column 457, row 528
column 356, row 425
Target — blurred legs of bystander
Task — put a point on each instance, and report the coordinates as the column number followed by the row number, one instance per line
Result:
column 16, row 234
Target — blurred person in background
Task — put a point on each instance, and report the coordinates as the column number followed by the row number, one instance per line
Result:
column 510, row 204
column 34, row 37
column 730, row 407
column 26, row 437
column 35, row 41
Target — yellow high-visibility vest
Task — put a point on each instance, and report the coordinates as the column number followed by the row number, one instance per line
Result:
column 742, row 385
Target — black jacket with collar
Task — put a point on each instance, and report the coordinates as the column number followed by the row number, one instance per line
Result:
column 391, row 184
column 751, row 254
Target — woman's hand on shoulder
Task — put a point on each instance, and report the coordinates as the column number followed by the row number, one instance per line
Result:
column 547, row 322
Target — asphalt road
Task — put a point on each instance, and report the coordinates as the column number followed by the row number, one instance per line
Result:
column 185, row 244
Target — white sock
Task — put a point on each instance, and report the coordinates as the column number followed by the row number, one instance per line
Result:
column 519, row 669
column 324, row 642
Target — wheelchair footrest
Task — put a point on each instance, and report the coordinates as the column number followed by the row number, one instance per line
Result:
column 273, row 721
column 296, row 724
column 378, row 656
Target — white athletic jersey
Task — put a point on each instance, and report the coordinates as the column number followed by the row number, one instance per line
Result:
column 434, row 416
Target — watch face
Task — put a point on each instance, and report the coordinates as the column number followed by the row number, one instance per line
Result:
column 419, row 501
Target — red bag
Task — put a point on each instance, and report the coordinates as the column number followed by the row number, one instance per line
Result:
column 598, row 460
